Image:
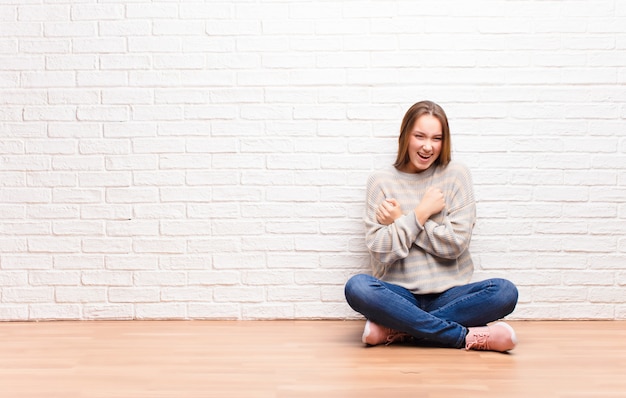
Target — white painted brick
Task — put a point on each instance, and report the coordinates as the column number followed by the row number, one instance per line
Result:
column 293, row 194
column 106, row 278
column 267, row 311
column 237, row 194
column 71, row 62
column 244, row 294
column 154, row 78
column 333, row 294
column 269, row 243
column 54, row 312
column 14, row 312
column 124, row 28
column 162, row 178
column 106, row 245
column 133, row 295
column 586, row 311
column 14, row 278
column 213, row 278
column 53, row 245
column 317, row 243
column 132, row 228
column 537, row 312
column 186, row 294
column 43, row 13
column 214, row 245
column 108, row 312
column 48, row 79
column 97, row 12
column 605, row 294
column 160, row 278
column 48, row 46
column 20, row 29
column 161, row 246
column 65, row 294
column 130, row 129
column 159, row 212
column 154, row 44
column 160, row 311
column 12, row 212
column 183, row 228
column 322, row 277
column 126, row 96
column 25, row 195
column 98, row 45
column 103, row 113
column 27, row 294
column 559, row 294
column 73, row 97
column 8, row 46
column 221, row 311
column 110, row 179
column 78, row 228
column 351, row 261
column 134, row 162
column 293, row 294
column 58, row 113
column 69, row 29
column 68, row 195
column 156, row 112
column 12, row 245
column 180, row 96
column 189, row 194
column 322, row 310
column 238, row 261
column 15, row 97
column 131, row 262
column 151, row 11
column 267, row 278
column 106, row 212
column 188, row 262
column 78, row 262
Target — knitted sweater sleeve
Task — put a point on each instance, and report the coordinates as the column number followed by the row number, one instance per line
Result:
column 387, row 243
column 448, row 234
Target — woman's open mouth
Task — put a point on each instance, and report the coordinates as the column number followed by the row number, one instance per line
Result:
column 424, row 157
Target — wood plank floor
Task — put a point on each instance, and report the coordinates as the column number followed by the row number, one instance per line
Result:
column 300, row 359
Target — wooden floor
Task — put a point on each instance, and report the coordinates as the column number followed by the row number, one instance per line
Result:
column 300, row 359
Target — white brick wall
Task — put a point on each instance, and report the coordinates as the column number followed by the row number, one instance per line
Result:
column 207, row 159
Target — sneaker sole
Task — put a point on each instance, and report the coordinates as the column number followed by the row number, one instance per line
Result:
column 366, row 332
column 510, row 329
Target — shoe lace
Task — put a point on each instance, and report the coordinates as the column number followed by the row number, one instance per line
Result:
column 397, row 336
column 480, row 341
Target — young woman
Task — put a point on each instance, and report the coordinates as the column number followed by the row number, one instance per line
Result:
column 419, row 219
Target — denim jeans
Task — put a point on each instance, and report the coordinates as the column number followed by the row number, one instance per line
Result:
column 441, row 318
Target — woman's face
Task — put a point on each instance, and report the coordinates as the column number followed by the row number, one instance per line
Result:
column 425, row 140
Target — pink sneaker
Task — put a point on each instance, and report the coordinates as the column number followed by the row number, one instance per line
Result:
column 374, row 334
column 497, row 337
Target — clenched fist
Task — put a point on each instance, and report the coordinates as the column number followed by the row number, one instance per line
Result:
column 388, row 211
column 432, row 203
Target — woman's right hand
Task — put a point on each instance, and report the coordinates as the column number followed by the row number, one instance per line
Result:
column 388, row 211
column 432, row 203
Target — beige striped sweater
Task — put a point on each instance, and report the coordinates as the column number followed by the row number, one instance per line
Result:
column 427, row 258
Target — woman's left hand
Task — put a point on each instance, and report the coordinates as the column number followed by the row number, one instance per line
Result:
column 388, row 211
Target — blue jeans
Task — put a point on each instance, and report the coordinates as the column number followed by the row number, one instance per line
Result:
column 442, row 318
